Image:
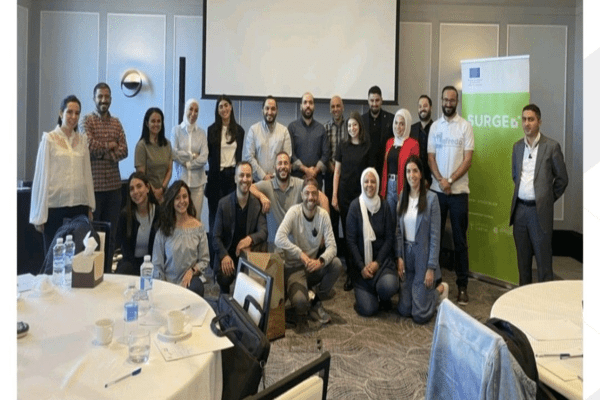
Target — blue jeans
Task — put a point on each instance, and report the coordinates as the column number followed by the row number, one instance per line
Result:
column 458, row 205
column 369, row 292
column 392, row 197
column 416, row 299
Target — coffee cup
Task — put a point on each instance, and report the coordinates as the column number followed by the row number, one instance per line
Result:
column 175, row 321
column 104, row 330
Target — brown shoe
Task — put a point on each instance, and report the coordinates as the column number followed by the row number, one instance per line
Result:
column 463, row 297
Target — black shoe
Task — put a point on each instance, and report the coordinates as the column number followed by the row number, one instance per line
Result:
column 385, row 305
column 348, row 285
column 463, row 297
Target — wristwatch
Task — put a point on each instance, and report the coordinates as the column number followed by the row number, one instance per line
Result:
column 450, row 181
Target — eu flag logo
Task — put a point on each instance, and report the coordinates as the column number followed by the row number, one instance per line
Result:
column 475, row 72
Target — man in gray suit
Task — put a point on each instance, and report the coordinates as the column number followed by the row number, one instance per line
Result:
column 540, row 177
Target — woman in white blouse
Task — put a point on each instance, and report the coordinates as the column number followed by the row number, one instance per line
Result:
column 418, row 246
column 62, row 184
column 190, row 153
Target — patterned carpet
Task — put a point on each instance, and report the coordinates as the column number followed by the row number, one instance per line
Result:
column 382, row 357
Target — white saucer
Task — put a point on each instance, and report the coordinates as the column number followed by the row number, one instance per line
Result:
column 166, row 336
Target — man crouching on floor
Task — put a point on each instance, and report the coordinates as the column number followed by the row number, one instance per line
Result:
column 303, row 229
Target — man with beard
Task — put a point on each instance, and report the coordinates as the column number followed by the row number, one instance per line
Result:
column 420, row 132
column 239, row 226
column 540, row 177
column 450, row 150
column 264, row 140
column 337, row 131
column 306, row 267
column 108, row 146
column 280, row 194
column 378, row 124
column 310, row 144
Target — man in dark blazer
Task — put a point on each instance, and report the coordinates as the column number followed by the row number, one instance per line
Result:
column 420, row 132
column 378, row 124
column 240, row 226
column 540, row 177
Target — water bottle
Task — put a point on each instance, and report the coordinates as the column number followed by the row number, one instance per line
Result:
column 130, row 310
column 69, row 253
column 142, row 298
column 58, row 266
column 146, row 273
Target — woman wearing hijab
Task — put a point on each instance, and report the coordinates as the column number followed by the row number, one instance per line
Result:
column 397, row 151
column 370, row 238
column 190, row 153
column 225, row 143
column 418, row 246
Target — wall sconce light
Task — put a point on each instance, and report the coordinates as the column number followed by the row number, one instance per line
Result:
column 131, row 83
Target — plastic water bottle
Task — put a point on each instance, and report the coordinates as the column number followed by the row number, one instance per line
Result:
column 142, row 298
column 146, row 273
column 58, row 266
column 130, row 310
column 69, row 253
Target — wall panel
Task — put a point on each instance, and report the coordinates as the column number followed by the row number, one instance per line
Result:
column 22, row 46
column 414, row 64
column 136, row 41
column 68, row 62
column 462, row 42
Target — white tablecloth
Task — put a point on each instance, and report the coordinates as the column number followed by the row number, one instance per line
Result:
column 57, row 359
column 549, row 305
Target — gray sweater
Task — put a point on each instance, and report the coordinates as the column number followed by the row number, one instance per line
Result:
column 294, row 224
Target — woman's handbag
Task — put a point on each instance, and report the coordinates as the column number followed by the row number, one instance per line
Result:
column 243, row 364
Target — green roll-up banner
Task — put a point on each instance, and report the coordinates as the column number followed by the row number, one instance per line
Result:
column 494, row 91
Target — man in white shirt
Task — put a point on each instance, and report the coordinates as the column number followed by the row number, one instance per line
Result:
column 264, row 141
column 450, row 150
column 540, row 177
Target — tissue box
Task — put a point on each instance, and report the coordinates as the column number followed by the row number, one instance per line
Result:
column 88, row 271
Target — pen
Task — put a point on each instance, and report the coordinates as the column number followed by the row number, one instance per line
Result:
column 134, row 373
column 186, row 307
column 561, row 355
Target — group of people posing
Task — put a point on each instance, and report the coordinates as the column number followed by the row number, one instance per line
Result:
column 371, row 172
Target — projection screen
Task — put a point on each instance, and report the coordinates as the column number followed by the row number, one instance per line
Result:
column 284, row 48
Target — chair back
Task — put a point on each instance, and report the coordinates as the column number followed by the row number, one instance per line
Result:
column 470, row 361
column 252, row 295
column 308, row 383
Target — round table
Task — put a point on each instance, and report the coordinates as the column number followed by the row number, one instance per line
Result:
column 547, row 304
column 57, row 358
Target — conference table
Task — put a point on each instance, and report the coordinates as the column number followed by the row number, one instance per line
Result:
column 550, row 314
column 60, row 359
